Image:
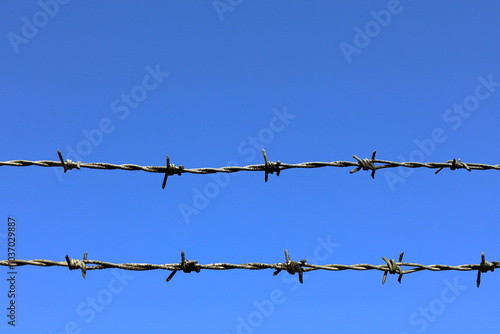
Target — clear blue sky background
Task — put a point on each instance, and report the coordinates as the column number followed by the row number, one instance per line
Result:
column 391, row 87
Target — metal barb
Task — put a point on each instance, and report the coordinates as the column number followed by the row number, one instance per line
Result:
column 292, row 267
column 366, row 164
column 186, row 266
column 171, row 171
column 77, row 264
column 166, row 177
column 484, row 267
column 287, row 256
column 270, row 167
column 68, row 164
column 393, row 268
column 183, row 261
column 455, row 164
column 400, row 260
column 62, row 160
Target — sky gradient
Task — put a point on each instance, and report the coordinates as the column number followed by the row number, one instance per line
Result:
column 210, row 84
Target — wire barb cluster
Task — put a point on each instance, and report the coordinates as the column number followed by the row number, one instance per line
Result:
column 268, row 167
column 292, row 267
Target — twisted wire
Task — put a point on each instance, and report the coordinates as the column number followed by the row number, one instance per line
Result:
column 292, row 267
column 268, row 167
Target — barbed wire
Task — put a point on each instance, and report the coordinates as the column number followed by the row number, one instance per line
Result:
column 290, row 266
column 269, row 167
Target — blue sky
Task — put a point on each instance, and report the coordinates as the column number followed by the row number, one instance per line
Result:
column 211, row 84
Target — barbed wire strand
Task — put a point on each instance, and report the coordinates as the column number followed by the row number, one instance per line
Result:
column 292, row 267
column 268, row 167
